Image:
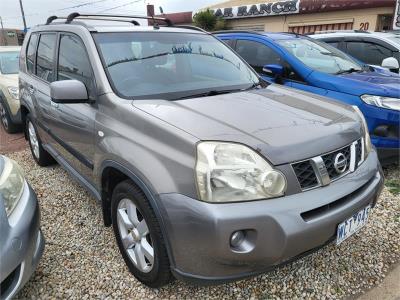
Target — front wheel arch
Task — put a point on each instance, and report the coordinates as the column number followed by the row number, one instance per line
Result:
column 110, row 167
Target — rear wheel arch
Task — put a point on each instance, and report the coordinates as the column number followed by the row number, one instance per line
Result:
column 24, row 113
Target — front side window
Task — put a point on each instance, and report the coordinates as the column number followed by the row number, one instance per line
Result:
column 73, row 62
column 30, row 53
column 45, row 57
column 320, row 56
column 369, row 53
column 9, row 62
column 257, row 54
column 170, row 65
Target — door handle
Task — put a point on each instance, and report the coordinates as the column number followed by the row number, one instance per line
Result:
column 31, row 89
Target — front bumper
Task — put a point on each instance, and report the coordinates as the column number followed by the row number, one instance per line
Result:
column 22, row 244
column 280, row 229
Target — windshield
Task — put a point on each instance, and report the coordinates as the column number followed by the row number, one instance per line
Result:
column 171, row 65
column 320, row 56
column 9, row 62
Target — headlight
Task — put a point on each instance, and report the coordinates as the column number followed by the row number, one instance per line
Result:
column 384, row 102
column 227, row 172
column 11, row 184
column 14, row 92
column 367, row 139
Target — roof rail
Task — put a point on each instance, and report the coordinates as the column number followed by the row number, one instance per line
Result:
column 118, row 18
column 191, row 27
column 236, row 31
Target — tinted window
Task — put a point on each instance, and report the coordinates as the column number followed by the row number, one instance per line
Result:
column 369, row 53
column 170, row 65
column 333, row 44
column 45, row 57
column 257, row 55
column 73, row 62
column 30, row 53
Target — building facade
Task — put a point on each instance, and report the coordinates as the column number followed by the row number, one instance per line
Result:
column 11, row 37
column 307, row 16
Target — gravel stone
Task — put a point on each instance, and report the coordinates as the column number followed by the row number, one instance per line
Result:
column 82, row 261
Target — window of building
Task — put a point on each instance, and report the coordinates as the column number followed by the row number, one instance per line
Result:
column 369, row 53
column 45, row 56
column 73, row 62
column 30, row 53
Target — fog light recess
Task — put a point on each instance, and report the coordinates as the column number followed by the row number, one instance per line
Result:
column 243, row 241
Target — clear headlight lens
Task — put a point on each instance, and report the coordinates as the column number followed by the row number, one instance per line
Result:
column 14, row 92
column 384, row 102
column 227, row 172
column 367, row 139
column 11, row 184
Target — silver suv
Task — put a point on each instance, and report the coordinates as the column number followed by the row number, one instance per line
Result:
column 205, row 172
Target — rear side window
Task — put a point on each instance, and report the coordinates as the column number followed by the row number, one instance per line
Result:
column 30, row 53
column 45, row 57
column 257, row 55
column 73, row 62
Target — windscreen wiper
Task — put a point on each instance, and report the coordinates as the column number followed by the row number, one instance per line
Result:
column 348, row 71
column 208, row 93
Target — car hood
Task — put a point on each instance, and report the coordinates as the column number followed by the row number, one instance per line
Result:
column 9, row 80
column 372, row 83
column 284, row 124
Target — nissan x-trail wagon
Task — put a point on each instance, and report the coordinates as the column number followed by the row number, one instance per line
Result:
column 205, row 172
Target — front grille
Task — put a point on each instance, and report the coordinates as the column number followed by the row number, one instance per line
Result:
column 305, row 174
column 321, row 170
column 359, row 152
column 329, row 160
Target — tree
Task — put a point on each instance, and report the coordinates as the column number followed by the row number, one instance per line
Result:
column 208, row 21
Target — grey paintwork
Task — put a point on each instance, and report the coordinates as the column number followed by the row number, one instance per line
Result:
column 21, row 240
column 153, row 142
column 67, row 91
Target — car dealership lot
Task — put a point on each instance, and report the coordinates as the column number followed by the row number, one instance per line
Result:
column 82, row 259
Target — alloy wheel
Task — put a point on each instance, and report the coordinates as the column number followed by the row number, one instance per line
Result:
column 135, row 235
column 3, row 116
column 33, row 140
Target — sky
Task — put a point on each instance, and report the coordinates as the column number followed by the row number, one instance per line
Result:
column 37, row 11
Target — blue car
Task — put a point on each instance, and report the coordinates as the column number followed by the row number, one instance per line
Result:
column 310, row 65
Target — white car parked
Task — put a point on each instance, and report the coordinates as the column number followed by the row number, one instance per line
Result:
column 373, row 48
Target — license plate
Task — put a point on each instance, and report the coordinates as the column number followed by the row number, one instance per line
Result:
column 352, row 225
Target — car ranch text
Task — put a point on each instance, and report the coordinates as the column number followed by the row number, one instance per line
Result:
column 259, row 10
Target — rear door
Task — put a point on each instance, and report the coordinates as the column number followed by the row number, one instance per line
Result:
column 40, row 67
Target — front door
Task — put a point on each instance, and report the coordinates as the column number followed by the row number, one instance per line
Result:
column 74, row 129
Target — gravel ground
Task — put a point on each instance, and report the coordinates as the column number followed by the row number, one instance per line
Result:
column 82, row 261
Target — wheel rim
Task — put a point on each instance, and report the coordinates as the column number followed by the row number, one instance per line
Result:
column 33, row 140
column 135, row 235
column 3, row 116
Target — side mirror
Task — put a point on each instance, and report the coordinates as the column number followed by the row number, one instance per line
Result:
column 68, row 91
column 390, row 63
column 276, row 70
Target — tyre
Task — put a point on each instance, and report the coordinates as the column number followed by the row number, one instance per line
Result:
column 41, row 156
column 5, row 119
column 139, row 236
